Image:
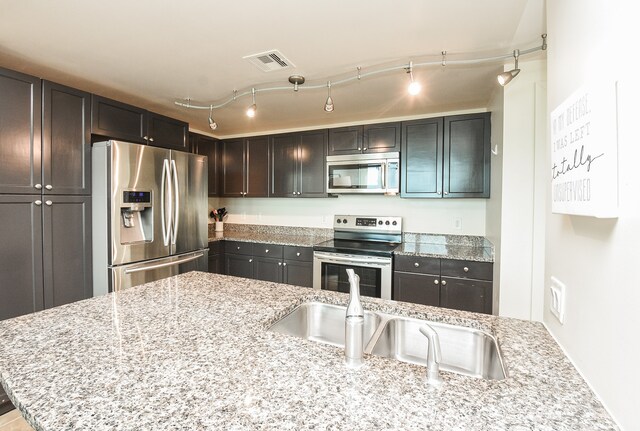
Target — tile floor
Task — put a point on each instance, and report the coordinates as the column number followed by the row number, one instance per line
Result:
column 12, row 421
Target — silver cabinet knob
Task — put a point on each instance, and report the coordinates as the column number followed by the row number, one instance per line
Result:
column 438, row 192
column 151, row 139
column 38, row 202
column 48, row 203
column 436, row 281
column 279, row 263
column 266, row 250
column 48, row 187
column 145, row 137
column 298, row 254
column 238, row 247
column 416, row 264
column 250, row 260
column 38, row 186
column 364, row 149
column 284, row 264
column 446, row 193
column 359, row 148
column 465, row 269
column 444, row 282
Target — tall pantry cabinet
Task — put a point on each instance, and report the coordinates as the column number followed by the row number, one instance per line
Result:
column 45, row 194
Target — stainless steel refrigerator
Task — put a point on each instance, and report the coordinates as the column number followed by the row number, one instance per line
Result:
column 149, row 212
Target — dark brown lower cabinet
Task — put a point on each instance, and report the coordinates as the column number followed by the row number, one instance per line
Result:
column 298, row 273
column 45, row 253
column 238, row 265
column 267, row 269
column 416, row 288
column 216, row 257
column 457, row 284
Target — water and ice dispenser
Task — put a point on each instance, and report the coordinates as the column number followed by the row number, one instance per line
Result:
column 136, row 217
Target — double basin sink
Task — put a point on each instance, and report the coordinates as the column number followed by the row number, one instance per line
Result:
column 466, row 351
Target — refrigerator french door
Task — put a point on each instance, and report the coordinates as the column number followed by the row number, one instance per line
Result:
column 149, row 214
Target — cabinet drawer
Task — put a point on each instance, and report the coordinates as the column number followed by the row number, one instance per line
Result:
column 216, row 247
column 303, row 254
column 238, row 247
column 267, row 250
column 467, row 269
column 417, row 264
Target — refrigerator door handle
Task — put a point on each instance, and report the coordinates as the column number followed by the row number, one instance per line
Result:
column 163, row 211
column 149, row 267
column 176, row 216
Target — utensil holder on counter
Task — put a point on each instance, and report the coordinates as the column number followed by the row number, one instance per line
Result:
column 219, row 227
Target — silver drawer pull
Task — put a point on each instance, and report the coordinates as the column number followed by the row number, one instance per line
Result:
column 266, row 250
column 250, row 260
column 48, row 203
column 444, row 282
column 298, row 254
column 48, row 187
column 38, row 186
column 465, row 269
column 436, row 281
column 284, row 264
column 279, row 263
column 416, row 264
column 38, row 202
column 238, row 247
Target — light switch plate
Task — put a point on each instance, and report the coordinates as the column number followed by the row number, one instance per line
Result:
column 558, row 299
column 457, row 223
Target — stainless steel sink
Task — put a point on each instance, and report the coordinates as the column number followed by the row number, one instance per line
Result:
column 464, row 350
column 323, row 323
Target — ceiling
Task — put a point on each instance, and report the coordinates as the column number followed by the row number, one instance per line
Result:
column 154, row 52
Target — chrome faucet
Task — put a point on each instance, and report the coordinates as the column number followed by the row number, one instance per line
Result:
column 354, row 324
column 434, row 356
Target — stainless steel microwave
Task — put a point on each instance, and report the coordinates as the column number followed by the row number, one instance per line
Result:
column 364, row 173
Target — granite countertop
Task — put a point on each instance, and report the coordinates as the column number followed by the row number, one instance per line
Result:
column 269, row 238
column 446, row 251
column 192, row 352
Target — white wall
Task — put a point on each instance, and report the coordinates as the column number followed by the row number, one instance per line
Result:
column 419, row 215
column 596, row 258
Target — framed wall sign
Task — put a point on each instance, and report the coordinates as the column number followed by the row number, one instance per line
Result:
column 584, row 153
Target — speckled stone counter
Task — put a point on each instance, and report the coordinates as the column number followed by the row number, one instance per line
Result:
column 281, row 235
column 446, row 251
column 192, row 352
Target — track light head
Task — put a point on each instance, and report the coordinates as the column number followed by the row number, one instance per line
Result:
column 414, row 86
column 212, row 124
column 251, row 111
column 328, row 105
column 505, row 77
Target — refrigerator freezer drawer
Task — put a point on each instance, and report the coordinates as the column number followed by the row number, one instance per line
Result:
column 126, row 276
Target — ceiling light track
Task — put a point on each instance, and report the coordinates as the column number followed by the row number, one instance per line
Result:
column 298, row 80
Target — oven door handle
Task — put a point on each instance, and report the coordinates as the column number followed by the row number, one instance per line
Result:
column 353, row 260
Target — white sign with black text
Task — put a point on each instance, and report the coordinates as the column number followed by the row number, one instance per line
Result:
column 584, row 153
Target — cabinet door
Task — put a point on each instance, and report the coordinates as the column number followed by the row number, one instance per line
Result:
column 21, row 256
column 345, row 140
column 267, row 269
column 20, row 122
column 166, row 132
column 207, row 146
column 298, row 273
column 381, row 138
column 312, row 166
column 421, row 158
column 66, row 140
column 257, row 166
column 67, row 249
column 238, row 265
column 284, row 161
column 117, row 120
column 216, row 263
column 466, row 294
column 467, row 156
column 416, row 288
column 233, row 166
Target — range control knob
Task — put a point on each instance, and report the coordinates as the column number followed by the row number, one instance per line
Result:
column 344, row 220
column 379, row 221
column 338, row 221
column 395, row 223
column 387, row 222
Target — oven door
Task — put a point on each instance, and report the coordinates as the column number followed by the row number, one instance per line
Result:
column 329, row 273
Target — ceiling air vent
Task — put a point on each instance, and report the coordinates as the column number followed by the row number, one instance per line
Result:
column 269, row 61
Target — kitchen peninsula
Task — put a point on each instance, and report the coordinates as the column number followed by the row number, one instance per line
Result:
column 193, row 352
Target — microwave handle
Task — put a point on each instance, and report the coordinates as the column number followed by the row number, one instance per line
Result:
column 384, row 175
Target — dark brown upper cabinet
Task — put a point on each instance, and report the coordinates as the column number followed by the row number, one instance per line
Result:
column 66, row 140
column 167, row 132
column 422, row 158
column 446, row 157
column 20, row 133
column 117, row 120
column 245, row 167
column 210, row 147
column 298, row 163
column 345, row 140
column 381, row 138
column 467, row 156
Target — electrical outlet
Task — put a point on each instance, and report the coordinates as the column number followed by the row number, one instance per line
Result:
column 457, row 223
column 558, row 299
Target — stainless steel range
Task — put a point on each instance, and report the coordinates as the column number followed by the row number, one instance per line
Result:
column 364, row 243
